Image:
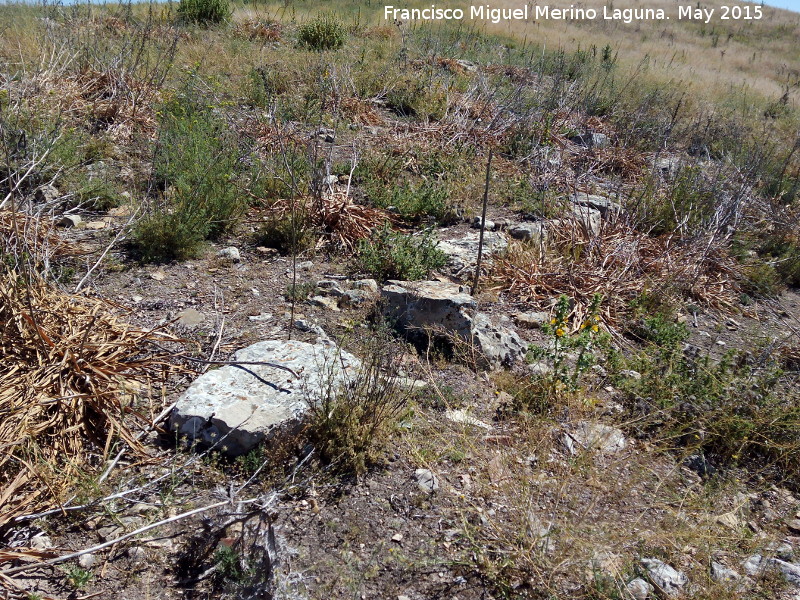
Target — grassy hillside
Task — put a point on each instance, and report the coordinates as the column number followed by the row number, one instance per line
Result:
column 179, row 181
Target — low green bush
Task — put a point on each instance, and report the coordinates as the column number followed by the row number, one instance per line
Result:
column 418, row 98
column 285, row 237
column 350, row 425
column 733, row 411
column 416, row 201
column 204, row 12
column 323, row 33
column 392, row 255
column 197, row 163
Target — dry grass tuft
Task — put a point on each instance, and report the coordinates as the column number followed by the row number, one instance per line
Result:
column 265, row 31
column 22, row 233
column 360, row 111
column 68, row 381
column 346, row 222
column 620, row 263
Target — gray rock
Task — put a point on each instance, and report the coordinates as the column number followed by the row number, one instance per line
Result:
column 755, row 565
column 590, row 218
column 191, row 317
column 234, row 410
column 467, row 65
column 667, row 166
column 358, row 297
column 325, row 302
column 462, row 252
column 69, row 221
column 500, row 345
column 330, row 287
column 721, row 573
column 790, row 571
column 540, row 532
column 369, row 285
column 783, row 550
column 305, row 265
column 110, row 532
column 308, row 327
column 41, row 542
column 435, row 304
column 87, row 561
column 443, row 309
column 137, row 555
column 605, row 205
column 540, row 368
column 666, row 579
column 532, row 319
column 46, row 193
column 640, row 589
column 595, row 437
column 631, row 374
column 528, row 232
column 490, row 225
column 793, row 525
column 426, row 480
column 230, row 253
column 591, row 140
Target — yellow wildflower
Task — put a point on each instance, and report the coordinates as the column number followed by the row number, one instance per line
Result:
column 559, row 332
column 595, row 328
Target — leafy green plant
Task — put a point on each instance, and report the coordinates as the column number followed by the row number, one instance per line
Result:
column 731, row 410
column 204, row 12
column 229, row 566
column 392, row 255
column 266, row 83
column 567, row 370
column 417, row 97
column 300, row 291
column 280, row 233
column 78, row 577
column 323, row 33
column 416, row 201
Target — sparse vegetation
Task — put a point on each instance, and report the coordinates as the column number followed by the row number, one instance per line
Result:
column 196, row 164
column 351, row 425
column 394, row 255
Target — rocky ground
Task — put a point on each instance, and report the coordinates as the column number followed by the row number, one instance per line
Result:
column 561, row 505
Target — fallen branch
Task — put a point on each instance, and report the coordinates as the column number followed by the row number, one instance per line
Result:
column 122, row 538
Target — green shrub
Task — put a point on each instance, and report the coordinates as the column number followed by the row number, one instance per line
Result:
column 78, row 578
column 418, row 98
column 350, row 426
column 279, row 233
column 265, row 83
column 204, row 12
column 323, row 33
column 393, row 255
column 416, row 201
column 164, row 236
column 300, row 291
column 732, row 411
column 197, row 163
